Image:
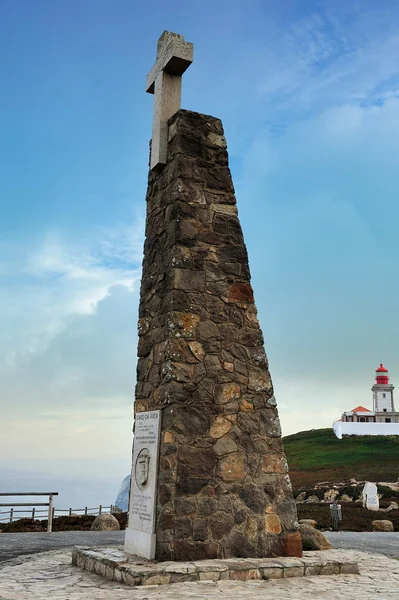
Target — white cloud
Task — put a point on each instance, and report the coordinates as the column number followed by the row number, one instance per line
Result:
column 295, row 66
column 52, row 278
column 68, row 340
column 73, row 398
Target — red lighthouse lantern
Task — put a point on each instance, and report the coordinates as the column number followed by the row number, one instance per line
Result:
column 382, row 375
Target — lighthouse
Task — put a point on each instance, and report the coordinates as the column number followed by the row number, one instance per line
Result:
column 382, row 393
column 382, row 420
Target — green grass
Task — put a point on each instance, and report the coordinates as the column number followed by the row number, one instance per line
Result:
column 319, row 455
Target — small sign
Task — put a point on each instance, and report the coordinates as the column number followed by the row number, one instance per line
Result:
column 140, row 533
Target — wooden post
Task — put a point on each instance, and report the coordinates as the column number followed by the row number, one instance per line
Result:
column 70, row 511
column 50, row 514
column 33, row 513
column 100, row 509
column 85, row 510
column 11, row 514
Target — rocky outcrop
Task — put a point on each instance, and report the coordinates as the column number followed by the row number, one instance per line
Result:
column 312, row 539
column 224, row 489
column 105, row 522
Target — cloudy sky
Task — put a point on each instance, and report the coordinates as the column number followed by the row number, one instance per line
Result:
column 309, row 96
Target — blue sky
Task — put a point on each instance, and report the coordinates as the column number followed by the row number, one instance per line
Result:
column 309, row 96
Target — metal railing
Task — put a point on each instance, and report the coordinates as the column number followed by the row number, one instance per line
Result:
column 10, row 515
column 49, row 504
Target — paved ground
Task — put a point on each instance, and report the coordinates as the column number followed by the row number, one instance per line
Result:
column 384, row 543
column 13, row 545
column 51, row 575
column 44, row 574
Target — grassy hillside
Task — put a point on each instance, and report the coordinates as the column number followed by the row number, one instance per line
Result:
column 318, row 455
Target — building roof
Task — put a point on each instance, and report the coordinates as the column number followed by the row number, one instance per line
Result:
column 360, row 409
column 381, row 369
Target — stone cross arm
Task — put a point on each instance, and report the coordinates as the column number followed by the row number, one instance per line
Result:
column 174, row 56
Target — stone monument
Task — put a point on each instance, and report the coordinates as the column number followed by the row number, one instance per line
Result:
column 221, row 487
column 370, row 496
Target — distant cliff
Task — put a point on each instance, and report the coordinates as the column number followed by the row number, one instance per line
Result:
column 122, row 499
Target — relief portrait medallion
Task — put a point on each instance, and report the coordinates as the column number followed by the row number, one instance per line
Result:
column 142, row 468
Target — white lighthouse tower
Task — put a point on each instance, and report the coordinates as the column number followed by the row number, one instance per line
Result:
column 383, row 394
column 382, row 420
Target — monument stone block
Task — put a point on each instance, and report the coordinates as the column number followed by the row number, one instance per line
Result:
column 140, row 535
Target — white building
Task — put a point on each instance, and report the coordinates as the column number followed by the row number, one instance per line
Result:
column 382, row 420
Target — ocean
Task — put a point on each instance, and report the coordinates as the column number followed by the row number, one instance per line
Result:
column 85, row 489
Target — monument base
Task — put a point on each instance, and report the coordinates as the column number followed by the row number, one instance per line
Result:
column 114, row 564
column 140, row 543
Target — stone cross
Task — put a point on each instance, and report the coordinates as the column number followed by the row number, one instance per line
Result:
column 174, row 56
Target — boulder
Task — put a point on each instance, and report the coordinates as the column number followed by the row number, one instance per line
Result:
column 392, row 506
column 312, row 539
column 310, row 522
column 382, row 525
column 345, row 498
column 105, row 522
column 312, row 499
column 301, row 497
column 330, row 496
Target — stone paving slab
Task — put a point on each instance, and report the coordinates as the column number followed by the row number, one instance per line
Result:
column 115, row 565
column 51, row 575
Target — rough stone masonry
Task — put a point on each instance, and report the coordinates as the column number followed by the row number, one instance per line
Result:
column 223, row 484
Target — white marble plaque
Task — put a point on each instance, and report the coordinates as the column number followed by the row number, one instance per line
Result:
column 370, row 496
column 140, row 533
